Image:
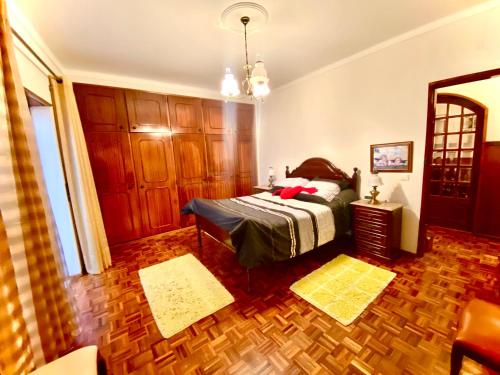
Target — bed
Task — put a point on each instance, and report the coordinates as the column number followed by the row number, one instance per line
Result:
column 263, row 228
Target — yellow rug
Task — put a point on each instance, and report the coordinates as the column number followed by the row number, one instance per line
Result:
column 344, row 287
column 180, row 292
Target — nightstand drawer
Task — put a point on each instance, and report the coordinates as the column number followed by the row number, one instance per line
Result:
column 370, row 226
column 370, row 237
column 370, row 247
column 380, row 216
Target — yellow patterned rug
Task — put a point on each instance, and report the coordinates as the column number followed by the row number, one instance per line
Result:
column 180, row 292
column 344, row 287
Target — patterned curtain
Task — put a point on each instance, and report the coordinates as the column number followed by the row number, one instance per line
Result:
column 88, row 219
column 38, row 324
column 15, row 352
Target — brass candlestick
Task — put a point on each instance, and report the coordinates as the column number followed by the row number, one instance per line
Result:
column 271, row 179
column 374, row 192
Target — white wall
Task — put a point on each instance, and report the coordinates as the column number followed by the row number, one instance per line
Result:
column 33, row 74
column 32, row 77
column 378, row 96
column 486, row 92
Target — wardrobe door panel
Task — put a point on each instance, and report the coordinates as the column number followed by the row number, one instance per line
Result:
column 245, row 164
column 155, row 171
column 185, row 114
column 217, row 117
column 112, row 167
column 220, row 166
column 189, row 151
column 244, row 118
column 119, row 216
column 101, row 108
column 147, row 112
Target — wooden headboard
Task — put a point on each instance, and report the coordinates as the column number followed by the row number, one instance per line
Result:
column 322, row 168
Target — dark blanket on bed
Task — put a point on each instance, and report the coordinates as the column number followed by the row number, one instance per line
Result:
column 260, row 235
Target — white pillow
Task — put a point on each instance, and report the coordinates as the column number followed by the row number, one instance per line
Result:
column 293, row 181
column 326, row 190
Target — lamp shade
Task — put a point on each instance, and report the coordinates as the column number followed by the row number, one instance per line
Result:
column 260, row 90
column 259, row 74
column 271, row 172
column 259, row 81
column 229, row 87
column 375, row 180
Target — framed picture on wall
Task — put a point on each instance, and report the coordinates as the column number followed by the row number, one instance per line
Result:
column 391, row 157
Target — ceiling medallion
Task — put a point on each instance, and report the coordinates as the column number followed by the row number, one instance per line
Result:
column 256, row 83
column 231, row 16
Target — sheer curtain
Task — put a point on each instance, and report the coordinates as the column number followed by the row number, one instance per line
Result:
column 37, row 322
column 88, row 219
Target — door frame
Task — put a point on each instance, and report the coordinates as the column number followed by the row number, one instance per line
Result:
column 431, row 99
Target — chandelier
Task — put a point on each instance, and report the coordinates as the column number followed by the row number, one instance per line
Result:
column 255, row 84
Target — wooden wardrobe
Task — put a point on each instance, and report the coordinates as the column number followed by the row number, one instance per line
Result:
column 151, row 153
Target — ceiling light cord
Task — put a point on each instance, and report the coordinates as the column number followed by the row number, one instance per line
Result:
column 246, row 49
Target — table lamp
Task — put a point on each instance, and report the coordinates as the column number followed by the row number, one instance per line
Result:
column 374, row 181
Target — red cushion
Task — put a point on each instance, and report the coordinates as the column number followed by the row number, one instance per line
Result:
column 278, row 192
column 290, row 192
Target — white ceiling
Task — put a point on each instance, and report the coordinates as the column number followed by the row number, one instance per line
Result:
column 179, row 41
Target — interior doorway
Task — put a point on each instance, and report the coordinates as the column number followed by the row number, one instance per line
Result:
column 55, row 183
column 463, row 130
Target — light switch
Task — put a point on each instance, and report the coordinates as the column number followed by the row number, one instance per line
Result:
column 405, row 177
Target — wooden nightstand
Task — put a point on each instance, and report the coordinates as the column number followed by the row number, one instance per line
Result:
column 261, row 189
column 377, row 228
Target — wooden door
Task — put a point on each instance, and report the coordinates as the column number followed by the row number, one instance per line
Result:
column 217, row 117
column 101, row 108
column 185, row 114
column 245, row 164
column 155, row 171
column 488, row 199
column 147, row 112
column 220, row 167
column 190, row 161
column 452, row 162
column 244, row 118
column 111, row 161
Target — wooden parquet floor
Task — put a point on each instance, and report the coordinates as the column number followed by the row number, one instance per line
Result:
column 408, row 329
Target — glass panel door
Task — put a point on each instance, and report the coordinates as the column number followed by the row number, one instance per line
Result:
column 453, row 151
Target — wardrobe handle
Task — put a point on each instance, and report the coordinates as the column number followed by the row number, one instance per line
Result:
column 142, row 186
column 134, row 127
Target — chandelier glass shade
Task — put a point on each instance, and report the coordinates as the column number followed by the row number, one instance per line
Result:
column 256, row 82
column 229, row 87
